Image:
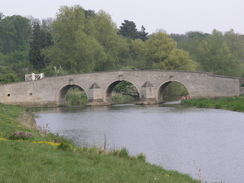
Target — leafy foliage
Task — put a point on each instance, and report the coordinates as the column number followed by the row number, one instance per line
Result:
column 15, row 32
column 174, row 91
column 217, row 52
column 229, row 103
column 8, row 78
column 126, row 88
column 160, row 52
column 40, row 40
column 128, row 30
column 85, row 43
column 80, row 40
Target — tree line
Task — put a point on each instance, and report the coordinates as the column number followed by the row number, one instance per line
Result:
column 79, row 41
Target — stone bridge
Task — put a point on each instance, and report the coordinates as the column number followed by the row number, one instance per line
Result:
column 51, row 91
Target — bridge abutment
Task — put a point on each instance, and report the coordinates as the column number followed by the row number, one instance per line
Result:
column 148, row 95
column 98, row 87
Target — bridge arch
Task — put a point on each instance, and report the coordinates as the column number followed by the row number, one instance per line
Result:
column 109, row 88
column 62, row 92
column 162, row 87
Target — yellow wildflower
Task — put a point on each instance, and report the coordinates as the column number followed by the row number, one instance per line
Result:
column 3, row 139
column 50, row 143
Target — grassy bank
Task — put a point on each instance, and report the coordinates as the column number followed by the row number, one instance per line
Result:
column 49, row 158
column 228, row 103
column 123, row 99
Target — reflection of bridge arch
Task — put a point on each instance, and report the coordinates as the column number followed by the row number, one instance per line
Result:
column 61, row 94
column 164, row 85
column 110, row 87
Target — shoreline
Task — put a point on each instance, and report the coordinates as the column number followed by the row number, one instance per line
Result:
column 226, row 103
column 60, row 159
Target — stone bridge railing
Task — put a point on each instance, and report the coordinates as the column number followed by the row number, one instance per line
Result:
column 98, row 87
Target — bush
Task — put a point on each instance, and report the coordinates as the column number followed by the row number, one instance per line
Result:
column 141, row 157
column 123, row 153
column 65, row 146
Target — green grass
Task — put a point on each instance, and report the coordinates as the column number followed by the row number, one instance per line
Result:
column 76, row 97
column 228, row 103
column 123, row 99
column 50, row 158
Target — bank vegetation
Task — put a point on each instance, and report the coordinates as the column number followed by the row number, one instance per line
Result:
column 227, row 103
column 45, row 157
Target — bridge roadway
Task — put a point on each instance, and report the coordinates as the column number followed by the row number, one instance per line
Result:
column 98, row 86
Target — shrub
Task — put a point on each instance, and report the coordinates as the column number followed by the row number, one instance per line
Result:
column 217, row 106
column 141, row 157
column 65, row 146
column 123, row 153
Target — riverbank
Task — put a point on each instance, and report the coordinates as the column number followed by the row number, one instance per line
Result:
column 227, row 103
column 49, row 158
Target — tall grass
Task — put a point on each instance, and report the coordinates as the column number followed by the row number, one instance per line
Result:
column 228, row 103
column 76, row 96
column 123, row 99
column 50, row 158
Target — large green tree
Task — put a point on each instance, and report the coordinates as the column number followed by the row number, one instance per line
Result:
column 115, row 47
column 41, row 39
column 235, row 43
column 85, row 41
column 160, row 52
column 216, row 56
column 15, row 33
column 128, row 29
column 219, row 53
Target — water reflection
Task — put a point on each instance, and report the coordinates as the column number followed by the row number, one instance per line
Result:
column 177, row 138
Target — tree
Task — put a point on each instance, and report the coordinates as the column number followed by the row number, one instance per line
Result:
column 235, row 43
column 46, row 24
column 189, row 42
column 8, row 78
column 16, row 62
column 115, row 47
column 163, row 54
column 40, row 40
column 1, row 16
column 85, row 41
column 143, row 34
column 75, row 48
column 15, row 33
column 215, row 56
column 219, row 53
column 128, row 30
column 139, row 54
column 160, row 52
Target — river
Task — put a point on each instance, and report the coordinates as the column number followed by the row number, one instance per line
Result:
column 207, row 144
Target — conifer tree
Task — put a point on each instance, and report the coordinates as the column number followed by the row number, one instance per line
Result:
column 40, row 40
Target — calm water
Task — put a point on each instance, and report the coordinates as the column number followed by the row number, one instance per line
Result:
column 207, row 144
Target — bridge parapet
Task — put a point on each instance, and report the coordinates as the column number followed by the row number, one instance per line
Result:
column 98, row 86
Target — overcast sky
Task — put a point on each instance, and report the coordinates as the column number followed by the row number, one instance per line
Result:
column 173, row 16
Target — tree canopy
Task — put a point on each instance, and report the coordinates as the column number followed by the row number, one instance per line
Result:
column 219, row 53
column 15, row 33
column 80, row 40
column 41, row 39
column 85, row 41
column 160, row 52
column 128, row 29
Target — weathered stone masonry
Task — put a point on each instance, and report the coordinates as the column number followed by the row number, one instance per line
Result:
column 98, row 87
